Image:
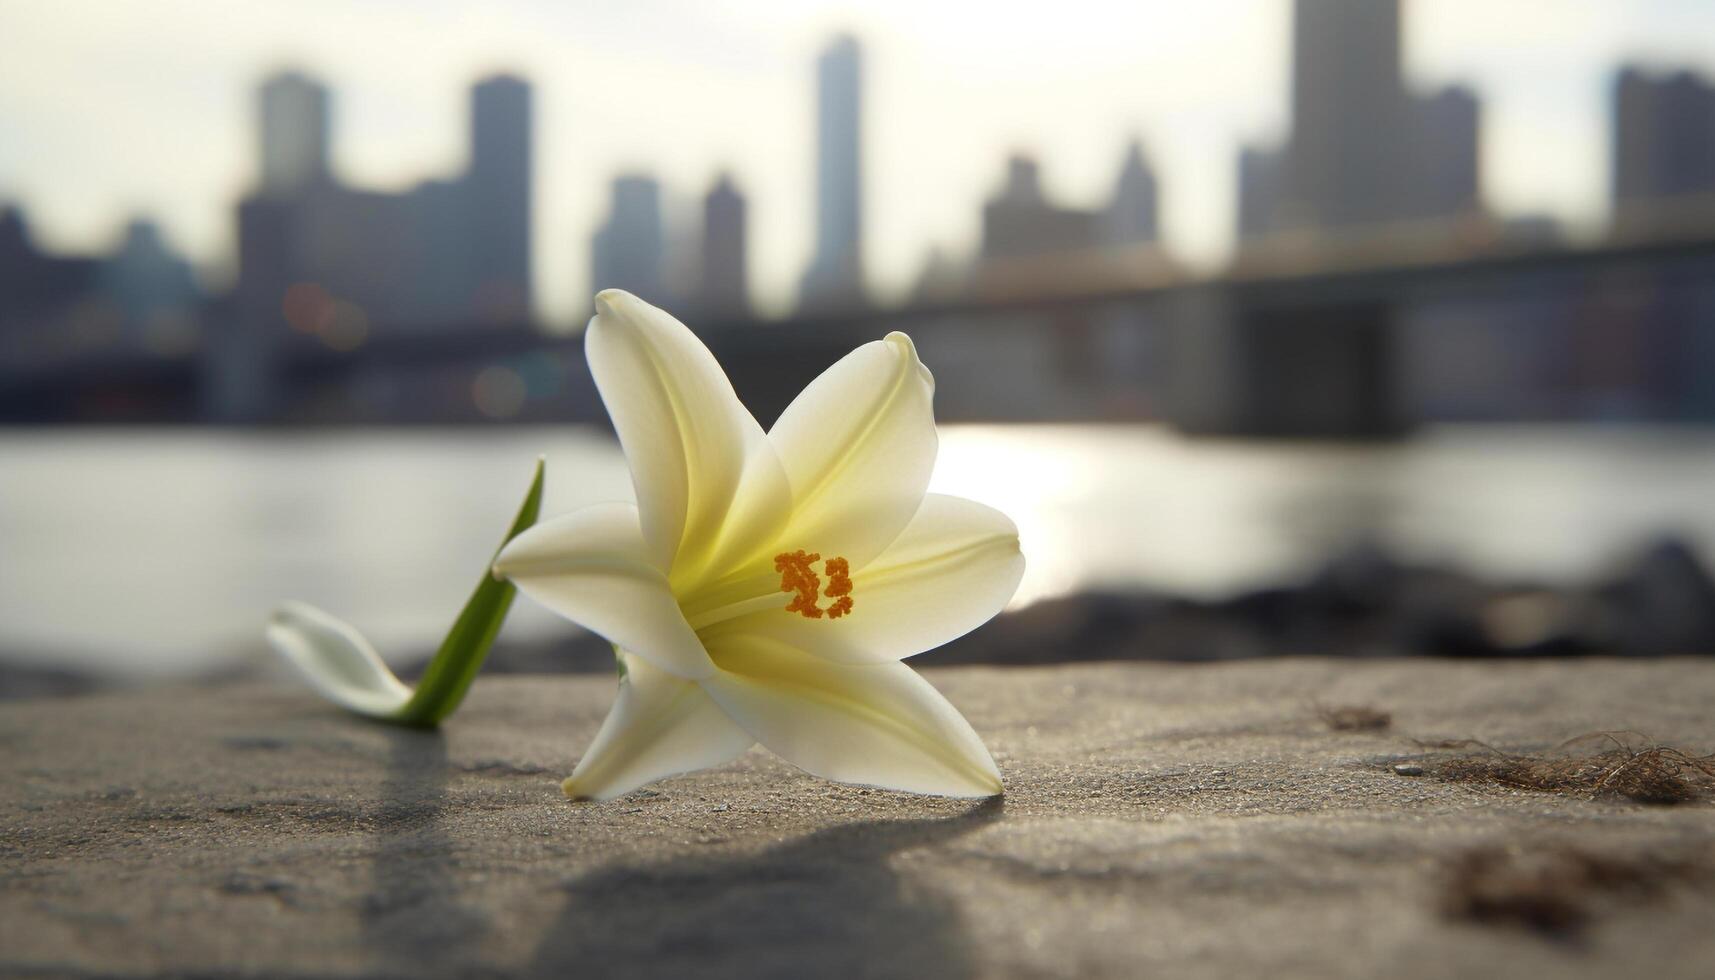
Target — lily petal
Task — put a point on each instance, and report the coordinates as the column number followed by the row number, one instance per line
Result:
column 592, row 567
column 951, row 570
column 660, row 726
column 687, row 438
column 336, row 660
column 877, row 724
column 858, row 445
column 760, row 508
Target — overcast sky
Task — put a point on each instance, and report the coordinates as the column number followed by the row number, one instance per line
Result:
column 109, row 109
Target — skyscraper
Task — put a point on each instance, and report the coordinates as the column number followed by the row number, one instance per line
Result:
column 294, row 133
column 1020, row 221
column 1348, row 113
column 1363, row 150
column 835, row 275
column 723, row 289
column 1260, row 187
column 1664, row 136
column 497, row 195
column 629, row 251
column 1132, row 216
column 1443, row 144
column 148, row 282
column 35, row 287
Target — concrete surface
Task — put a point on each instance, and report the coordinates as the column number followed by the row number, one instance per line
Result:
column 1160, row 820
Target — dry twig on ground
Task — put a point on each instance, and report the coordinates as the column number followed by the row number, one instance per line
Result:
column 1627, row 766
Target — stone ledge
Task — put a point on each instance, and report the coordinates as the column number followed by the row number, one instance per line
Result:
column 1191, row 820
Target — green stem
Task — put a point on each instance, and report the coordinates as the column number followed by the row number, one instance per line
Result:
column 467, row 644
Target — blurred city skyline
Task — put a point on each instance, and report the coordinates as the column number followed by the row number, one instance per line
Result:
column 948, row 96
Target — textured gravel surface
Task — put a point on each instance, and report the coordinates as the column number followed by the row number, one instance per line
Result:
column 1169, row 820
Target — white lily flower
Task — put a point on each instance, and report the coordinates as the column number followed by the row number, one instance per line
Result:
column 766, row 586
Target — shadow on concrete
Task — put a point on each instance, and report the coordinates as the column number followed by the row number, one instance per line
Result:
column 412, row 919
column 826, row 905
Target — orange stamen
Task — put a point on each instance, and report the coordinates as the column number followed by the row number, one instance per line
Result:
column 839, row 587
column 798, row 577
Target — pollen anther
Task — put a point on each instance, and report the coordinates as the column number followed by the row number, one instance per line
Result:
column 799, row 577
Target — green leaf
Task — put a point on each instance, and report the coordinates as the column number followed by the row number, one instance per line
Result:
column 467, row 644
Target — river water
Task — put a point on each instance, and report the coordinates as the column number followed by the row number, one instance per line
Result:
column 152, row 552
